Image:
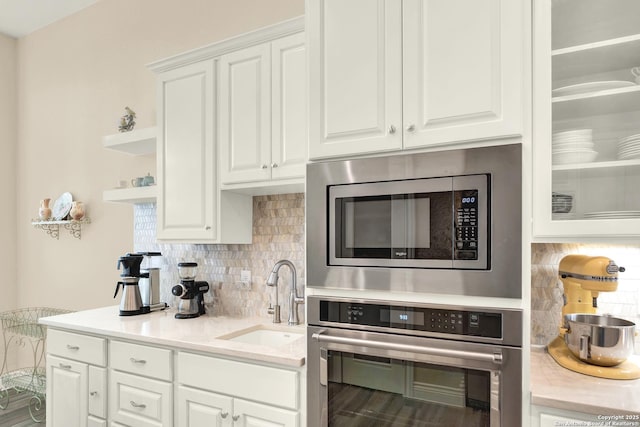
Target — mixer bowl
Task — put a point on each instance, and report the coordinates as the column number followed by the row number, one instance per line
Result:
column 599, row 340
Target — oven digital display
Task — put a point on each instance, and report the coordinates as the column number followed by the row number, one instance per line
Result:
column 406, row 317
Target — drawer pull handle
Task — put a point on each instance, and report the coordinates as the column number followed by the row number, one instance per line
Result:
column 63, row 366
column 236, row 418
column 72, row 347
column 138, row 361
column 138, row 405
column 93, row 393
column 224, row 415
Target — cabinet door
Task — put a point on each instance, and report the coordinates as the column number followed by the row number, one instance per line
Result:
column 249, row 414
column 245, row 115
column 197, row 408
column 586, row 133
column 186, row 166
column 355, row 76
column 288, row 107
column 67, row 385
column 462, row 70
column 97, row 391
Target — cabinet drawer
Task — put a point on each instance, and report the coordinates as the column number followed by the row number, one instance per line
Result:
column 83, row 348
column 141, row 360
column 139, row 401
column 260, row 383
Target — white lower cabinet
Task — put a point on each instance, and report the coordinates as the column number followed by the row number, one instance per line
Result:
column 140, row 385
column 76, row 380
column 97, row 381
column 550, row 417
column 138, row 401
column 236, row 393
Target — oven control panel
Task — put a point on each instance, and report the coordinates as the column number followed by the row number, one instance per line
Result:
column 457, row 322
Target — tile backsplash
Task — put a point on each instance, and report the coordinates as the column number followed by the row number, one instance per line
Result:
column 278, row 233
column 546, row 288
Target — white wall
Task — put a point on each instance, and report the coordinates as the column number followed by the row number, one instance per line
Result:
column 76, row 77
column 8, row 139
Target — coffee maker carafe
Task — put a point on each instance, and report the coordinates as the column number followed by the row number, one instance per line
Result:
column 131, row 301
column 190, row 291
column 150, row 283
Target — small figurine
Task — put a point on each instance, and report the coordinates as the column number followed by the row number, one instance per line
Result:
column 127, row 122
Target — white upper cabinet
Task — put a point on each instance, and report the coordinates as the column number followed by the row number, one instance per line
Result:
column 355, row 76
column 262, row 110
column 245, row 119
column 463, row 68
column 289, row 128
column 186, row 153
column 391, row 74
column 586, row 129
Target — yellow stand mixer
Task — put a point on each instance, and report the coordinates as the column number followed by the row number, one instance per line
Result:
column 583, row 278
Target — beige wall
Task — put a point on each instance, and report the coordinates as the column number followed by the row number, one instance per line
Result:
column 8, row 137
column 76, row 77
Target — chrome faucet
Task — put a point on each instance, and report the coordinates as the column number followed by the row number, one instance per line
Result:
column 294, row 299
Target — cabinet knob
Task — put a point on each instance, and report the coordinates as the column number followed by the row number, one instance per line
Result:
column 392, row 129
column 137, row 405
column 236, row 417
column 264, row 166
column 274, row 165
column 224, row 415
column 411, row 128
column 138, row 361
column 207, row 227
column 63, row 366
column 72, row 347
column 93, row 393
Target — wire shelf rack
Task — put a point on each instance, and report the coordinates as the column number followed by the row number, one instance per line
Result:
column 20, row 330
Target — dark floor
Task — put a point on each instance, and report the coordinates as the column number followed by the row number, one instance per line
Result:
column 17, row 412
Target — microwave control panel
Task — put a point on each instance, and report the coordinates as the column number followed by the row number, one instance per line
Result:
column 424, row 319
column 466, row 224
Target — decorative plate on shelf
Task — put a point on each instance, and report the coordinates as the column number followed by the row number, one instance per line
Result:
column 61, row 207
column 591, row 87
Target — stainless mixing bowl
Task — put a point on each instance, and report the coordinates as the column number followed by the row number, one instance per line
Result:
column 599, row 340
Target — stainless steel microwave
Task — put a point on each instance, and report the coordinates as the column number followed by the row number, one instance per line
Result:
column 442, row 222
column 424, row 223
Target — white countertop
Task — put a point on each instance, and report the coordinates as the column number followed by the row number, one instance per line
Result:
column 557, row 387
column 199, row 334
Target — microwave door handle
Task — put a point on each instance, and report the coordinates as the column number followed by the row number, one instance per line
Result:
column 496, row 357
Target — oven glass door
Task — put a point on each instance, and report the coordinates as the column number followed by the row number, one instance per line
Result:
column 366, row 390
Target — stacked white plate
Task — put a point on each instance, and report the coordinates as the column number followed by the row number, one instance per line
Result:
column 629, row 147
column 573, row 146
column 613, row 215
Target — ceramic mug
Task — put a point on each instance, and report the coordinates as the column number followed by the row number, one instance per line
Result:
column 148, row 180
column 137, row 182
column 635, row 71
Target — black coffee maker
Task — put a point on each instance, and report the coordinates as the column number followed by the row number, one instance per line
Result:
column 131, row 301
column 190, row 291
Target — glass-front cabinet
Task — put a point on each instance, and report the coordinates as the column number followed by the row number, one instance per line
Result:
column 586, row 118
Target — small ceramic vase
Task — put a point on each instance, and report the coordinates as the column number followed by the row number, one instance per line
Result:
column 45, row 210
column 77, row 211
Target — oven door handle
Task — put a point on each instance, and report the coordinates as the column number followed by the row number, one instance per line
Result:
column 496, row 357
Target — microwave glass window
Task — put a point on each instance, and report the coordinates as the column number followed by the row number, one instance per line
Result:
column 397, row 226
column 366, row 390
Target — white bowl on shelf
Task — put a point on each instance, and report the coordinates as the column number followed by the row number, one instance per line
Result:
column 565, row 157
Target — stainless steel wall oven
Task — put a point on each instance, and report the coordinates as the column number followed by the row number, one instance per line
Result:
column 441, row 222
column 374, row 363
